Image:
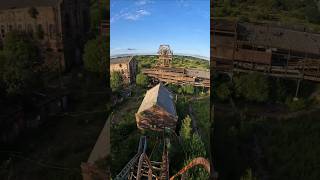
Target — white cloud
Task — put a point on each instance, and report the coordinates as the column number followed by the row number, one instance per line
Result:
column 133, row 16
column 142, row 2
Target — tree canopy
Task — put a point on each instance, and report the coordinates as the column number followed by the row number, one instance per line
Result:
column 115, row 80
column 142, row 80
column 94, row 56
column 18, row 61
column 253, row 87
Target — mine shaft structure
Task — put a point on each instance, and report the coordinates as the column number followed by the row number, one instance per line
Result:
column 141, row 167
column 164, row 72
column 267, row 49
column 165, row 56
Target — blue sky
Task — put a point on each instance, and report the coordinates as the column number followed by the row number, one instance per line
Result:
column 140, row 26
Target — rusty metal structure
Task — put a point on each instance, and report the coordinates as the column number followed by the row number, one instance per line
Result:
column 268, row 49
column 163, row 72
column 165, row 56
column 141, row 167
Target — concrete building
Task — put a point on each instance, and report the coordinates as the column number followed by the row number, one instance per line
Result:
column 127, row 66
column 60, row 26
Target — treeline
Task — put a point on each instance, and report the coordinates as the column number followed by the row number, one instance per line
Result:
column 258, row 88
column 246, row 10
column 178, row 61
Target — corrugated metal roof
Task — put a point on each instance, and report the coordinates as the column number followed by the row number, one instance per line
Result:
column 120, row 60
column 11, row 4
column 198, row 73
column 160, row 96
column 277, row 37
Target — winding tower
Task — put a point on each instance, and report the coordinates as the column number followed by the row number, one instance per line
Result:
column 165, row 56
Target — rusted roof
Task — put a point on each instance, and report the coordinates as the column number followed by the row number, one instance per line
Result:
column 121, row 60
column 198, row 73
column 14, row 4
column 277, row 37
column 160, row 96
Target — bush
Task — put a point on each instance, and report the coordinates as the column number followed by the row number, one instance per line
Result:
column 115, row 80
column 295, row 104
column 223, row 92
column 93, row 57
column 142, row 80
column 188, row 89
column 253, row 87
column 185, row 131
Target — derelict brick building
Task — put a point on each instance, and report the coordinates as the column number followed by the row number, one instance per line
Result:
column 157, row 110
column 60, row 26
column 127, row 66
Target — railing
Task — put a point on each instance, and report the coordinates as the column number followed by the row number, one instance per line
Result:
column 126, row 170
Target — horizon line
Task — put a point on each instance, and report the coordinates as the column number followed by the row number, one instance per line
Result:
column 152, row 54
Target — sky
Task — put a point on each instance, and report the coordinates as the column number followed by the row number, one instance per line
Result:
column 140, row 26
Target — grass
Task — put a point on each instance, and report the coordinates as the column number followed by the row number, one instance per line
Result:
column 201, row 109
column 266, row 138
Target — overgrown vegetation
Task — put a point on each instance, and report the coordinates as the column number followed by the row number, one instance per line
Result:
column 19, row 64
column 256, row 88
column 194, row 147
column 178, row 61
column 262, row 130
column 142, row 80
column 285, row 11
column 94, row 58
column 115, row 80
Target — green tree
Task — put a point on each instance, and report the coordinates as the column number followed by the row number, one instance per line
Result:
column 223, row 92
column 188, row 89
column 253, row 87
column 142, row 80
column 115, row 80
column 312, row 13
column 19, row 60
column 94, row 57
column 185, row 131
column 295, row 104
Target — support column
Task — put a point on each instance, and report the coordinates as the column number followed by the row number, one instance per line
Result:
column 297, row 90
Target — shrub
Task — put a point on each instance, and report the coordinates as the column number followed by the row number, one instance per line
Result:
column 223, row 92
column 115, row 80
column 295, row 104
column 188, row 89
column 142, row 80
column 253, row 87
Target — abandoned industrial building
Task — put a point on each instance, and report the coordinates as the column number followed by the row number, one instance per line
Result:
column 163, row 72
column 270, row 49
column 127, row 66
column 157, row 110
column 60, row 26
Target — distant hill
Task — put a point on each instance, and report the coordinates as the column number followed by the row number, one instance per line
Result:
column 155, row 54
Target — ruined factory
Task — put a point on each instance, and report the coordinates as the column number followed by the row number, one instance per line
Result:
column 163, row 72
